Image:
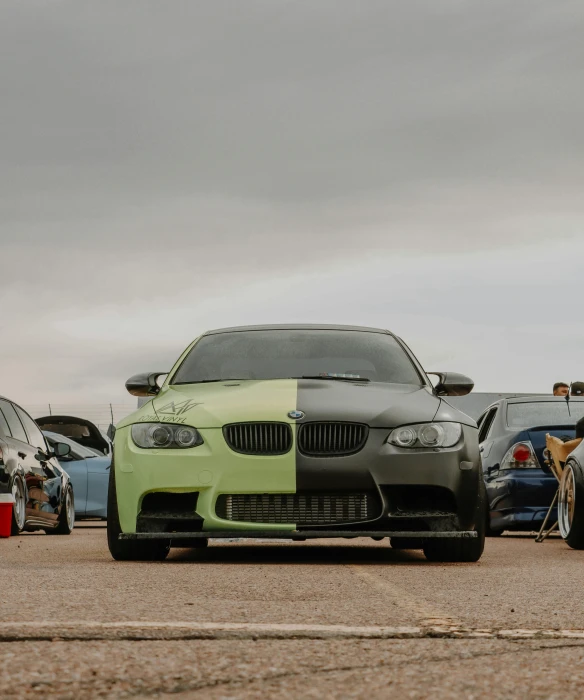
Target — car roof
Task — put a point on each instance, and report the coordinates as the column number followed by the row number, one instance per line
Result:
column 298, row 327
column 539, row 399
column 532, row 398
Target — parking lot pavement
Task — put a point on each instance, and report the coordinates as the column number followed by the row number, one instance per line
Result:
column 225, row 622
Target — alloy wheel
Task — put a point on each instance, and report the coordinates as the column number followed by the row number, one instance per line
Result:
column 19, row 503
column 566, row 501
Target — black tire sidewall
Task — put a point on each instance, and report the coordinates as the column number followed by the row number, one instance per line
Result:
column 63, row 524
column 462, row 549
column 575, row 538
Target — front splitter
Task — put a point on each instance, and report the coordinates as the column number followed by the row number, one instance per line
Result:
column 296, row 534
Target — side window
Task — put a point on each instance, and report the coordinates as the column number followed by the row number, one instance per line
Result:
column 4, row 425
column 481, row 420
column 486, row 424
column 13, row 421
column 488, row 434
column 35, row 437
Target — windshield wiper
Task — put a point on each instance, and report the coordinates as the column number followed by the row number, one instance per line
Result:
column 332, row 376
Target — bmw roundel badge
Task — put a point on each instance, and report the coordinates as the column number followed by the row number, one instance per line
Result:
column 296, row 415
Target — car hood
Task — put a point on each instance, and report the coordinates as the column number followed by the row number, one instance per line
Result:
column 213, row 405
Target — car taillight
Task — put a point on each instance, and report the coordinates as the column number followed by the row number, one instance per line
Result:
column 521, row 453
column 520, row 456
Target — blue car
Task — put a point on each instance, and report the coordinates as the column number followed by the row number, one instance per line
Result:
column 89, row 475
column 520, row 485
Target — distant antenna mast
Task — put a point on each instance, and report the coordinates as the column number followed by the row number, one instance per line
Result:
column 568, row 399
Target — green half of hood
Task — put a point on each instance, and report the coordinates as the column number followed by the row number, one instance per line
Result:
column 219, row 403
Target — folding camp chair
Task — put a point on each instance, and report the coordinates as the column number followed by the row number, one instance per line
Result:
column 558, row 453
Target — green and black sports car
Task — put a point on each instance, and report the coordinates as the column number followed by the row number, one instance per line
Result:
column 297, row 432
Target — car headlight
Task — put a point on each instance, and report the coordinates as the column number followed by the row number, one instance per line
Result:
column 165, row 436
column 426, row 435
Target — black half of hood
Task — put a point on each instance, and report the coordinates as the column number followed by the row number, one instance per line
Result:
column 376, row 404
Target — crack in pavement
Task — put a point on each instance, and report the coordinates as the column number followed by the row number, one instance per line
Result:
column 520, row 647
column 425, row 614
column 167, row 631
column 349, row 668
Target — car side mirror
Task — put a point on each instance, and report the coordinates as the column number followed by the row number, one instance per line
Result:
column 61, row 449
column 452, row 384
column 145, row 384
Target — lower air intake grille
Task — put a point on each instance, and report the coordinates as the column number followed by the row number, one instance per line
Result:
column 331, row 439
column 259, row 438
column 301, row 509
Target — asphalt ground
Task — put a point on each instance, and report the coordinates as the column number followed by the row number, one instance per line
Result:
column 319, row 619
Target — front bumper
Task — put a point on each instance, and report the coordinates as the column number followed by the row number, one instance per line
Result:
column 298, row 535
column 419, row 493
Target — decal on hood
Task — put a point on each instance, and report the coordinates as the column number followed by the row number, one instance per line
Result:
column 171, row 412
column 177, row 409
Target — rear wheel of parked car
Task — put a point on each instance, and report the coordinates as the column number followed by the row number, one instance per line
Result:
column 464, row 549
column 19, row 507
column 571, row 505
column 129, row 550
column 66, row 521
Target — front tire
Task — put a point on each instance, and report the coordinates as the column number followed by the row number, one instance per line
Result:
column 571, row 505
column 129, row 550
column 19, row 508
column 66, row 521
column 462, row 549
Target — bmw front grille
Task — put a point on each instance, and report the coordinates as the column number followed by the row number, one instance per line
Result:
column 331, row 439
column 259, row 438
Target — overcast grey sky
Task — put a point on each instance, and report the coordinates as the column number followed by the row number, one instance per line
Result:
column 172, row 166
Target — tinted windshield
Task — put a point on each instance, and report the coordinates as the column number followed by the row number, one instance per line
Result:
column 73, row 431
column 76, row 448
column 534, row 413
column 280, row 354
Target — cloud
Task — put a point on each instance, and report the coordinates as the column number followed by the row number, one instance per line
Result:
column 172, row 167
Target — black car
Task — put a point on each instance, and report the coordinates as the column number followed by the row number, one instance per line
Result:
column 512, row 433
column 29, row 470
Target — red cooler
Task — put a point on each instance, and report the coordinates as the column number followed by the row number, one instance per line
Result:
column 6, row 505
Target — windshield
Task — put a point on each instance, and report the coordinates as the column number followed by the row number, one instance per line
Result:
column 534, row 413
column 281, row 354
column 76, row 448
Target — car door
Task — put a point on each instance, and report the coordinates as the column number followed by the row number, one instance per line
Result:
column 24, row 454
column 47, row 476
column 98, row 469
